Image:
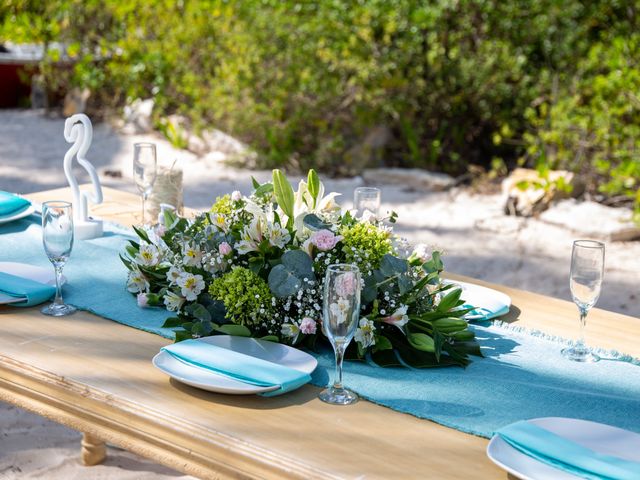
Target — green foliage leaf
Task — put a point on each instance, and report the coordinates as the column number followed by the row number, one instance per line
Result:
column 313, row 222
column 284, row 193
column 391, row 265
column 232, row 329
column 172, row 322
column 313, row 184
column 422, row 342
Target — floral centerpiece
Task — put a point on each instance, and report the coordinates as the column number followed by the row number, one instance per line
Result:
column 254, row 266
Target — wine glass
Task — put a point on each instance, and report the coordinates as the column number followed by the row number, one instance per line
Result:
column 585, row 280
column 341, row 312
column 57, row 238
column 366, row 199
column 145, row 166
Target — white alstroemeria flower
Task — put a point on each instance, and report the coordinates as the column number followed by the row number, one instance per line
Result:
column 190, row 285
column 173, row 274
column 365, row 335
column 251, row 237
column 192, row 255
column 290, row 330
column 220, row 221
column 399, row 318
column 254, row 209
column 137, row 282
column 339, row 310
column 278, row 237
column 173, row 301
column 148, row 255
column 422, row 252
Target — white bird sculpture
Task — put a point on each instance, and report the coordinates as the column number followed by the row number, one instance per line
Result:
column 78, row 130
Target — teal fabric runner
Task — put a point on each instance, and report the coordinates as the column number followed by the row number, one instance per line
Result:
column 566, row 455
column 521, row 377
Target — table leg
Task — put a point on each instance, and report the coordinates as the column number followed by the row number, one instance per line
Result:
column 93, row 450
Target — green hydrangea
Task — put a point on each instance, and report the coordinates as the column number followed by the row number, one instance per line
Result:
column 246, row 297
column 364, row 244
column 222, row 205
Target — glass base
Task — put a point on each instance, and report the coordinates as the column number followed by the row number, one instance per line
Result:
column 578, row 354
column 58, row 309
column 338, row 396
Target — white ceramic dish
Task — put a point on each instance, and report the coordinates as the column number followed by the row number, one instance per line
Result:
column 483, row 297
column 32, row 272
column 24, row 213
column 596, row 436
column 214, row 382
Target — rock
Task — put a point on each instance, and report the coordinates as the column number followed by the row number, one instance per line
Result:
column 591, row 219
column 218, row 141
column 75, row 101
column 526, row 193
column 137, row 116
column 410, row 177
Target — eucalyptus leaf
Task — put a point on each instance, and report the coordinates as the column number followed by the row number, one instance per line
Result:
column 390, row 265
column 199, row 312
column 313, row 222
column 283, row 282
column 172, row 322
column 300, row 263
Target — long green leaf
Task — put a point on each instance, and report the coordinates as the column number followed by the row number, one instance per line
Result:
column 313, row 184
column 284, row 193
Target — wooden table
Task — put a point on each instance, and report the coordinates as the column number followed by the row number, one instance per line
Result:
column 95, row 376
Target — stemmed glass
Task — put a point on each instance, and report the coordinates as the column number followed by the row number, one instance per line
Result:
column 57, row 238
column 366, row 199
column 585, row 280
column 145, row 166
column 341, row 311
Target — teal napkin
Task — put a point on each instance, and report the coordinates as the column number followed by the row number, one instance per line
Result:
column 566, row 455
column 239, row 366
column 18, row 287
column 11, row 204
column 481, row 314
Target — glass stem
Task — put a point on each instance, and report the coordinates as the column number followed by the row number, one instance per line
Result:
column 337, row 383
column 583, row 321
column 144, row 201
column 58, row 299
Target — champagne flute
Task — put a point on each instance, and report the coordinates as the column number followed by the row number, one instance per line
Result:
column 585, row 280
column 366, row 199
column 341, row 312
column 57, row 238
column 145, row 166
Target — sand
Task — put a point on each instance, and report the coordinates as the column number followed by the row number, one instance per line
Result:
column 477, row 238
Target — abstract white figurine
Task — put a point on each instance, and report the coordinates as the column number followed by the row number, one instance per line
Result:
column 78, row 129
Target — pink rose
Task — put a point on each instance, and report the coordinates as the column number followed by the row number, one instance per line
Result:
column 143, row 301
column 308, row 326
column 346, row 284
column 225, row 249
column 325, row 239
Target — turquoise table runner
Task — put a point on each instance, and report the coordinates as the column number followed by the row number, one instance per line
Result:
column 522, row 376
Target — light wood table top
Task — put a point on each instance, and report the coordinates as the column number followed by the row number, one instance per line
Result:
column 96, row 376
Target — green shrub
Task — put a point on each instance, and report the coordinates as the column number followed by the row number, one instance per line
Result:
column 454, row 82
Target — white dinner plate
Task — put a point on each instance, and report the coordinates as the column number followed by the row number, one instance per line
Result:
column 207, row 380
column 482, row 297
column 598, row 437
column 31, row 272
column 24, row 213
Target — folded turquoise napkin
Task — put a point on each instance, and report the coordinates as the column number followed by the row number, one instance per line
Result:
column 566, row 455
column 11, row 204
column 239, row 366
column 480, row 314
column 18, row 287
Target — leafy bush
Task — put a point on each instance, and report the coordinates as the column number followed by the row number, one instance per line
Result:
column 452, row 83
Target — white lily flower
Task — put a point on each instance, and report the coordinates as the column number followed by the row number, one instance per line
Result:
column 192, row 255
column 137, row 282
column 173, row 301
column 365, row 335
column 148, row 255
column 399, row 318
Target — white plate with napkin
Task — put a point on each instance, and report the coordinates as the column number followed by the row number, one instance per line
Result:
column 30, row 272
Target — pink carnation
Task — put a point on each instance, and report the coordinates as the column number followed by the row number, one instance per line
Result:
column 308, row 326
column 325, row 239
column 143, row 300
column 225, row 249
column 346, row 284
